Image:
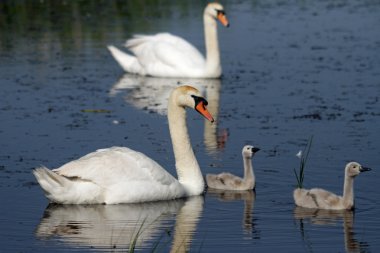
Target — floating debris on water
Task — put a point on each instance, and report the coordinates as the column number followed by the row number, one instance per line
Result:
column 96, row 110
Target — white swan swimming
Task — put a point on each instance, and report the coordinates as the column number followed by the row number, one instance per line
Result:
column 227, row 181
column 322, row 199
column 166, row 55
column 121, row 175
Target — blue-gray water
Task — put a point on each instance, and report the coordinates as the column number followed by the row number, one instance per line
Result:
column 292, row 69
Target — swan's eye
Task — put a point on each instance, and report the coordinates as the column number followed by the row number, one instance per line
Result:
column 199, row 99
column 220, row 12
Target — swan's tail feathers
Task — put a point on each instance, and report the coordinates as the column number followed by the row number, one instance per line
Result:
column 51, row 182
column 128, row 62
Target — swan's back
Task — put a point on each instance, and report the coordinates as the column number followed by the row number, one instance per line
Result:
column 108, row 166
column 227, row 181
column 167, row 55
column 113, row 175
column 317, row 198
column 161, row 43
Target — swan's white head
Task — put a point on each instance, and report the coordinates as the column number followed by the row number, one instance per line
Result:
column 353, row 169
column 248, row 151
column 216, row 10
column 188, row 96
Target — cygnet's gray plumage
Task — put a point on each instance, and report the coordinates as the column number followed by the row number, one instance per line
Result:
column 322, row 199
column 227, row 181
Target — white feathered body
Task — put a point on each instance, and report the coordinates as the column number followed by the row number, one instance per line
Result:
column 161, row 55
column 113, row 175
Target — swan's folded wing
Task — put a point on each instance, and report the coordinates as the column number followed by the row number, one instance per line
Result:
column 323, row 198
column 110, row 166
column 165, row 50
column 332, row 199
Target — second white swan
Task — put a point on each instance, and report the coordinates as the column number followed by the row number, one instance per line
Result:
column 122, row 175
column 167, row 55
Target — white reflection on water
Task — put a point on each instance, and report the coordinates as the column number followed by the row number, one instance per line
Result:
column 152, row 94
column 249, row 199
column 322, row 217
column 115, row 226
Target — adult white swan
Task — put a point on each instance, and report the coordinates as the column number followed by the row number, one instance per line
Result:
column 166, row 55
column 121, row 175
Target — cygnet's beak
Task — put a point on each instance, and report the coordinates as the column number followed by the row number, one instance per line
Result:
column 200, row 107
column 364, row 169
column 255, row 149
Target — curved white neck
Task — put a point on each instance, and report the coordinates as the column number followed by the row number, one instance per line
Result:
column 348, row 192
column 188, row 171
column 213, row 67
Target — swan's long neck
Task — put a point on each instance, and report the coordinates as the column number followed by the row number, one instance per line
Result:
column 188, row 171
column 213, row 66
column 249, row 175
column 348, row 192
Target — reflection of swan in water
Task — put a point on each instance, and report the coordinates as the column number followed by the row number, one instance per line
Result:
column 152, row 93
column 249, row 200
column 115, row 226
column 186, row 224
column 325, row 217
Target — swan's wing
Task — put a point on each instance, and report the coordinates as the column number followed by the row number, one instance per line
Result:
column 331, row 199
column 228, row 177
column 323, row 198
column 223, row 181
column 163, row 50
column 106, row 167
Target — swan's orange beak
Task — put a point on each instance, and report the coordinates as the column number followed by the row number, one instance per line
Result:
column 201, row 108
column 223, row 19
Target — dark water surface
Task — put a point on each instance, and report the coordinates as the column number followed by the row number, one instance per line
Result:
column 292, row 69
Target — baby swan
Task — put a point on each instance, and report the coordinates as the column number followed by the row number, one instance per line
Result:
column 227, row 181
column 322, row 199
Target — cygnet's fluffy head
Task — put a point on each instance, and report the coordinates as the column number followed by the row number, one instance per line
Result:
column 353, row 169
column 216, row 10
column 248, row 151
